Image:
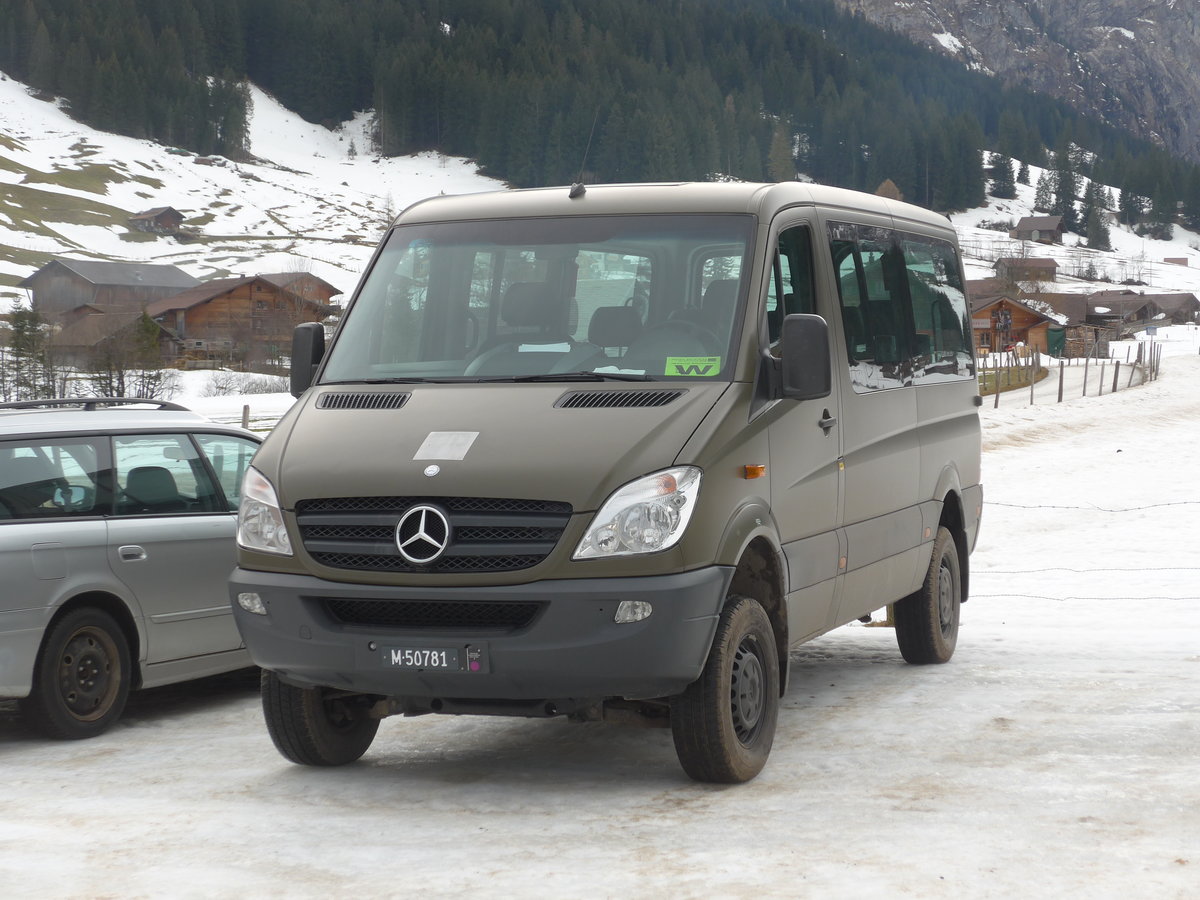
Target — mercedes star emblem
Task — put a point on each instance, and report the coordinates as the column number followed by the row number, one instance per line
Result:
column 422, row 534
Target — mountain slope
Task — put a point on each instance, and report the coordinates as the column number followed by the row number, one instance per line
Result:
column 313, row 199
column 1134, row 64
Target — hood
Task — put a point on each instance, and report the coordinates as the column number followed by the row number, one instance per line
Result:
column 573, row 443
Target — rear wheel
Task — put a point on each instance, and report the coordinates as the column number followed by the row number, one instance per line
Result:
column 927, row 621
column 724, row 723
column 316, row 726
column 82, row 676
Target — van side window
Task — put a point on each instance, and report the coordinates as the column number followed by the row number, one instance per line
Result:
column 791, row 288
column 939, row 308
column 904, row 310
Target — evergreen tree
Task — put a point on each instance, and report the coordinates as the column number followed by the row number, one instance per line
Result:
column 1023, row 173
column 1003, row 184
column 1097, row 230
column 1065, row 186
column 780, row 165
column 1043, row 195
column 32, row 370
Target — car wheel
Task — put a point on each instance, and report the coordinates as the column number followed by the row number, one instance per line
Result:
column 724, row 723
column 82, row 676
column 927, row 620
column 316, row 726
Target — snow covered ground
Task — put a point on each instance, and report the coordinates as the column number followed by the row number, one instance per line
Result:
column 1054, row 756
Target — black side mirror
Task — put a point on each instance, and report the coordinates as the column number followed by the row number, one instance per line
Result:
column 308, row 346
column 805, row 357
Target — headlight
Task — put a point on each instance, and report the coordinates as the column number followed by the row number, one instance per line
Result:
column 644, row 516
column 260, row 520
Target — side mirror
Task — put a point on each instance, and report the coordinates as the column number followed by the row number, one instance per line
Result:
column 805, row 357
column 308, row 346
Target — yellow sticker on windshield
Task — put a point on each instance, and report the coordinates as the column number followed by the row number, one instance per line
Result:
column 696, row 366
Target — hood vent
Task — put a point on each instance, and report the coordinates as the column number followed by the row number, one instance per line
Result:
column 617, row 399
column 362, row 400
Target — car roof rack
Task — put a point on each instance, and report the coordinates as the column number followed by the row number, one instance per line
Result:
column 91, row 403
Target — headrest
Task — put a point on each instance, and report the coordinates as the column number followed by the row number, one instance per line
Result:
column 25, row 470
column 614, row 326
column 151, row 484
column 721, row 292
column 527, row 303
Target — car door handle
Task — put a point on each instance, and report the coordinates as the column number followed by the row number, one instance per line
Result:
column 827, row 421
column 131, row 553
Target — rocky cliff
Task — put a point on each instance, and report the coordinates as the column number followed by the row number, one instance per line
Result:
column 1133, row 63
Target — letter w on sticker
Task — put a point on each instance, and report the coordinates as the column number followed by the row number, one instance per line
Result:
column 695, row 366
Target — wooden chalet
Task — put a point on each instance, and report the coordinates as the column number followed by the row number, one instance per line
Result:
column 1029, row 268
column 1041, row 229
column 1002, row 319
column 66, row 284
column 304, row 285
column 249, row 318
column 160, row 220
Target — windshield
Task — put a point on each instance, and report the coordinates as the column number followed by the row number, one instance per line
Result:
column 628, row 297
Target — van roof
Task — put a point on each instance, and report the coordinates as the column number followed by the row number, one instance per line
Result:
column 682, row 197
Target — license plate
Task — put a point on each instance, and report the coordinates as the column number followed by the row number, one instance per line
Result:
column 438, row 658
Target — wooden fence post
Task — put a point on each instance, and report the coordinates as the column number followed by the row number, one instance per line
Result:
column 1116, row 374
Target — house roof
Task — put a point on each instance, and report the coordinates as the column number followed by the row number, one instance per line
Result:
column 210, row 290
column 1028, row 262
column 156, row 212
column 88, row 331
column 123, row 274
column 286, row 279
column 201, row 293
column 1039, row 223
column 1037, row 307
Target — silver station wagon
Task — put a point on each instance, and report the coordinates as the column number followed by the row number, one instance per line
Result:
column 117, row 521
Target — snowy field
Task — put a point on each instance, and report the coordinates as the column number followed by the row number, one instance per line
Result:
column 1054, row 756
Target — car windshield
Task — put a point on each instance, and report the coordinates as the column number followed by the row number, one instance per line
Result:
column 654, row 297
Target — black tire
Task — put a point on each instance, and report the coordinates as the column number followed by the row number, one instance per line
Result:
column 81, row 678
column 314, row 727
column 724, row 723
column 927, row 621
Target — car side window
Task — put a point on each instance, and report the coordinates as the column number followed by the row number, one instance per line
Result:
column 159, row 474
column 228, row 456
column 51, row 479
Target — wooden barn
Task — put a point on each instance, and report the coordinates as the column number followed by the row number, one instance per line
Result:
column 66, row 284
column 242, row 319
column 88, row 331
column 1029, row 268
column 1042, row 229
column 160, row 220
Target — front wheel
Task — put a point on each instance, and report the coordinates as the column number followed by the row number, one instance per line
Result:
column 82, row 676
column 316, row 726
column 724, row 723
column 927, row 621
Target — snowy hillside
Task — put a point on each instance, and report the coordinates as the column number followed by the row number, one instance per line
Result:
column 315, row 200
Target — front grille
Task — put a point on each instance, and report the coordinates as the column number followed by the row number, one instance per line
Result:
column 486, row 534
column 433, row 613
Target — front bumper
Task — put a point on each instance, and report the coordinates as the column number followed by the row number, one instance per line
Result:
column 571, row 651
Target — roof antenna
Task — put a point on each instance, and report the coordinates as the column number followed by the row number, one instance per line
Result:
column 578, row 189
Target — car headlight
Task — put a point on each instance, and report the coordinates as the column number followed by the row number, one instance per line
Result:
column 260, row 520
column 644, row 516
